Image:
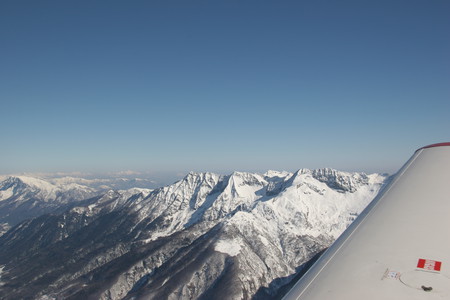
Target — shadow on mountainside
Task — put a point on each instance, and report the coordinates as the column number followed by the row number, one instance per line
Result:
column 281, row 286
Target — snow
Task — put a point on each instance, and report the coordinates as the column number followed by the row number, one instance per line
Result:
column 230, row 247
column 41, row 189
column 6, row 194
column 133, row 191
column 271, row 221
column 46, row 297
column 280, row 174
column 37, row 183
column 312, row 207
column 56, row 190
column 308, row 202
column 1, row 271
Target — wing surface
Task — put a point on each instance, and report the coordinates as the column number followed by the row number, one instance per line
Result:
column 399, row 247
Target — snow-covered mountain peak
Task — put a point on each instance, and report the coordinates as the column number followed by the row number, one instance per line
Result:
column 323, row 200
column 243, row 185
column 15, row 185
column 133, row 191
column 247, row 178
column 192, row 179
column 181, row 240
column 337, row 180
column 279, row 174
column 24, row 197
column 41, row 189
column 37, row 183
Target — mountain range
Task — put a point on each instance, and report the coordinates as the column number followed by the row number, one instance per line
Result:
column 207, row 236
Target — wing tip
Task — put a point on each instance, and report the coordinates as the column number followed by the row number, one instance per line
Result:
column 435, row 145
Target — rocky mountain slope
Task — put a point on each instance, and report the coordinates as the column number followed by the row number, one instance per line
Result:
column 24, row 197
column 207, row 236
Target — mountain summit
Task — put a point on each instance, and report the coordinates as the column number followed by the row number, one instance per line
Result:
column 207, row 236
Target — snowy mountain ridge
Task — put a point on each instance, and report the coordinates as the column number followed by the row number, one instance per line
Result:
column 45, row 190
column 209, row 197
column 23, row 197
column 243, row 235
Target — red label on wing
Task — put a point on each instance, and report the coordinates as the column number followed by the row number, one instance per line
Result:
column 428, row 264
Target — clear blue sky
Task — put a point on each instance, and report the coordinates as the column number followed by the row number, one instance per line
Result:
column 218, row 86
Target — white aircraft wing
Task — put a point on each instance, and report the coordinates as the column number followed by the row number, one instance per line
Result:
column 399, row 247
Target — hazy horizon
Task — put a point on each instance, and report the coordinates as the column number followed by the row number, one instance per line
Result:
column 155, row 179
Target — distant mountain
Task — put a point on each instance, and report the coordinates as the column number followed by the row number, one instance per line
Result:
column 106, row 182
column 207, row 236
column 25, row 197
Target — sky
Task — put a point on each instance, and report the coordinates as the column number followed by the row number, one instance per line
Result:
column 177, row 86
